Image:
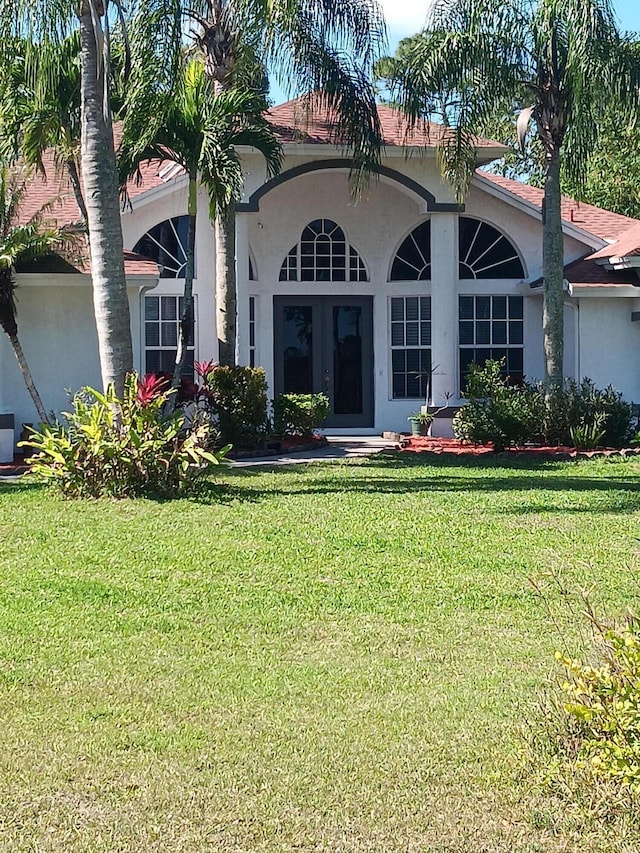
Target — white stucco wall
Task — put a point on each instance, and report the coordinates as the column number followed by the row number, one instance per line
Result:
column 610, row 344
column 59, row 339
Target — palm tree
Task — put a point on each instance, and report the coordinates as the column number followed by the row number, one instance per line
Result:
column 45, row 21
column 325, row 47
column 20, row 243
column 40, row 108
column 561, row 63
column 200, row 132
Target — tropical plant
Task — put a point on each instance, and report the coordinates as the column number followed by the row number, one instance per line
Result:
column 40, row 108
column 561, row 63
column 602, row 704
column 200, row 132
column 497, row 411
column 20, row 243
column 326, row 49
column 235, row 400
column 42, row 22
column 123, row 446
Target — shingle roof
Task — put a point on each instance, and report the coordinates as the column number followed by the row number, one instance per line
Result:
column 627, row 246
column 55, row 189
column 586, row 272
column 602, row 223
column 294, row 122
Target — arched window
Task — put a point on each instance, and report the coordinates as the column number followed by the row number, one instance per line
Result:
column 166, row 244
column 413, row 259
column 323, row 254
column 486, row 253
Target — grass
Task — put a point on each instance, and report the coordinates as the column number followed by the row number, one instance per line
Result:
column 324, row 658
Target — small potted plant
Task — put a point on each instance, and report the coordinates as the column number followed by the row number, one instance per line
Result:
column 421, row 422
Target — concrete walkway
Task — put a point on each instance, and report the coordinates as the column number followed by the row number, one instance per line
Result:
column 339, row 447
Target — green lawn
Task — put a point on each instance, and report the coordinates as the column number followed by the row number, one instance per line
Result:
column 341, row 657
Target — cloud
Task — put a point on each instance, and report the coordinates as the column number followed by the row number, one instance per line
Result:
column 405, row 17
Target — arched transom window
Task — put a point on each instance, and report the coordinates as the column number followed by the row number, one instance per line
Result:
column 413, row 259
column 166, row 244
column 323, row 254
column 486, row 253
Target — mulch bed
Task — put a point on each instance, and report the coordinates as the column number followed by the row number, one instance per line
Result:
column 415, row 444
column 291, row 444
column 11, row 469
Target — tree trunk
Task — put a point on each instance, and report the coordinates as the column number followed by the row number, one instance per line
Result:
column 28, row 379
column 186, row 319
column 553, row 275
column 72, row 169
column 226, row 287
column 111, row 306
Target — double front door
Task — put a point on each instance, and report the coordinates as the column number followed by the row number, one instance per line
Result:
column 325, row 343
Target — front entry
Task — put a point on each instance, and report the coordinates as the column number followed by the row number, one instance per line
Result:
column 325, row 343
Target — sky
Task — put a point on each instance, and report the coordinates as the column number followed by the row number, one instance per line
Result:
column 406, row 17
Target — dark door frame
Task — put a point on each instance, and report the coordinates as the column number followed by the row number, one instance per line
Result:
column 322, row 351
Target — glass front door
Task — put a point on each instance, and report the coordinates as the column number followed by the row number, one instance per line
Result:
column 325, row 343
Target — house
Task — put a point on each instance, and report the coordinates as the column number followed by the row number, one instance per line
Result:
column 378, row 301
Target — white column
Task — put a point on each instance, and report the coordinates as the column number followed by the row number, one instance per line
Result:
column 444, row 307
column 242, row 282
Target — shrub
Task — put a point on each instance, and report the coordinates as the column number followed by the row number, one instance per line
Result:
column 299, row 414
column 603, row 703
column 123, row 448
column 579, row 405
column 497, row 411
column 504, row 414
column 237, row 400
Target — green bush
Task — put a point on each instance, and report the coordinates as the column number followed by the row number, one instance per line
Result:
column 123, row 448
column 237, row 400
column 576, row 414
column 299, row 414
column 603, row 704
column 579, row 405
column 497, row 411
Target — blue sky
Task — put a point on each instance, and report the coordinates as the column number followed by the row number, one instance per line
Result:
column 405, row 17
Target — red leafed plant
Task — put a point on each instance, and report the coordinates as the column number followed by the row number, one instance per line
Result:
column 150, row 387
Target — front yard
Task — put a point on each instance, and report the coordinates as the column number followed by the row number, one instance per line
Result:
column 343, row 657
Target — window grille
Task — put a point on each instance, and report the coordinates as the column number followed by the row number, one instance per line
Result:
column 491, row 328
column 166, row 244
column 323, row 254
column 486, row 253
column 410, row 322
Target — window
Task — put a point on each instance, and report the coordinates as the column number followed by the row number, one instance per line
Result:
column 252, row 331
column 166, row 244
column 486, row 253
column 161, row 324
column 410, row 346
column 413, row 259
column 491, row 327
column 323, row 254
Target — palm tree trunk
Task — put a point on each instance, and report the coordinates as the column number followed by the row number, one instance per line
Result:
column 186, row 320
column 28, row 379
column 111, row 306
column 226, row 285
column 553, row 275
column 72, row 169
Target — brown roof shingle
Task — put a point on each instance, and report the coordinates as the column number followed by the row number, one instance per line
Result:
column 602, row 223
column 627, row 246
column 294, row 121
